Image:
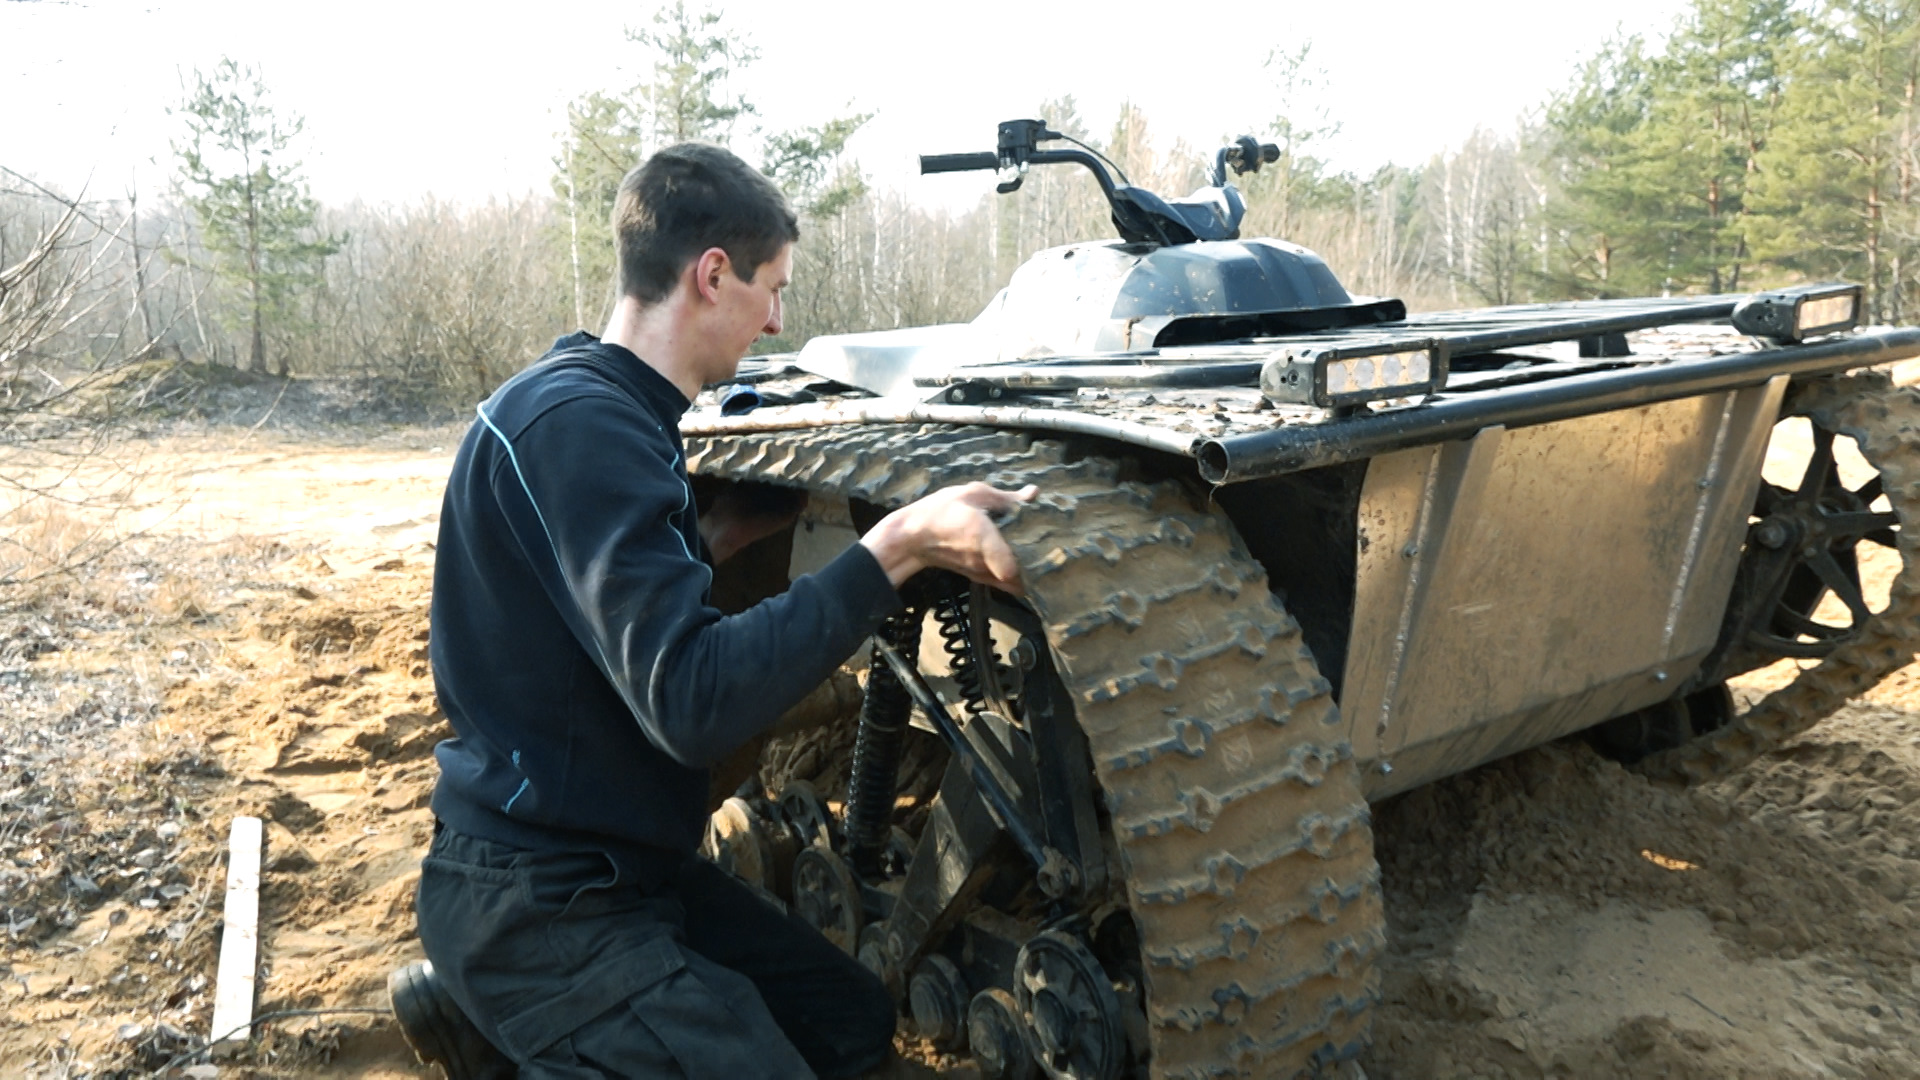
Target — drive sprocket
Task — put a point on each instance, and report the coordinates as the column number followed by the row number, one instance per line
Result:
column 1232, row 794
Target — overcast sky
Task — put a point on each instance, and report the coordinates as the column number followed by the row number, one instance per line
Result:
column 463, row 101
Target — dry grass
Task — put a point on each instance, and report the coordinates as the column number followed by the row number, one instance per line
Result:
column 76, row 525
column 55, row 557
column 179, row 598
column 43, row 540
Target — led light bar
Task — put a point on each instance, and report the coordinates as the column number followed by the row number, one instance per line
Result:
column 1333, row 376
column 1790, row 316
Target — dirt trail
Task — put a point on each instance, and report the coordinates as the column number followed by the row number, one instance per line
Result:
column 301, row 677
column 1551, row 915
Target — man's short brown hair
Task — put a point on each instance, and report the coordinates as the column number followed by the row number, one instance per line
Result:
column 686, row 199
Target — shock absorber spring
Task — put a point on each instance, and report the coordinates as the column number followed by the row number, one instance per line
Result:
column 876, row 748
column 953, row 612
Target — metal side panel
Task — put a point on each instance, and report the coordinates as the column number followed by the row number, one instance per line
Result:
column 1520, row 585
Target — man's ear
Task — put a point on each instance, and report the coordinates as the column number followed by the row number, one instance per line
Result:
column 707, row 271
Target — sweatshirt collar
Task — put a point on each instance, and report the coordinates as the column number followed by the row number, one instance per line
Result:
column 633, row 374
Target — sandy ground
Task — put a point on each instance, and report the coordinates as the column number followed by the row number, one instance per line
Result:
column 261, row 649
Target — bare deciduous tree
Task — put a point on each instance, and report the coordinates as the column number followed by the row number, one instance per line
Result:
column 72, row 319
column 439, row 302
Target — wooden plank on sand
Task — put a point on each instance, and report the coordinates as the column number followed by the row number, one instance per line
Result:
column 240, row 942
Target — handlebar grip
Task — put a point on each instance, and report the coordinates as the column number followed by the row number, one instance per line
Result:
column 938, row 163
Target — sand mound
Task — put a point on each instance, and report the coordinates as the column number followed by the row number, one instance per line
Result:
column 1554, row 914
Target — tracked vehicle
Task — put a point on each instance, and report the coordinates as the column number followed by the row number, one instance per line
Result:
column 1294, row 551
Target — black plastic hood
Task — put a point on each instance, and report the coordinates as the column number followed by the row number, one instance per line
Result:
column 1112, row 298
column 1227, row 276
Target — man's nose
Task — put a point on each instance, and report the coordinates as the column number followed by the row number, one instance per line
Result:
column 773, row 319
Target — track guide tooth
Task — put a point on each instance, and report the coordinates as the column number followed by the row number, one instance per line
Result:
column 1235, row 936
column 1199, row 807
column 1234, row 800
column 1192, row 735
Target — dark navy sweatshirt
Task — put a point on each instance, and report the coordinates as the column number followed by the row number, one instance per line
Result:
column 589, row 681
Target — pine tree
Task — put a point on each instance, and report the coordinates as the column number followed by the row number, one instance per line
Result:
column 256, row 217
column 686, row 96
column 1835, row 186
column 1721, row 84
column 1655, row 153
column 831, row 280
column 601, row 144
column 1610, row 227
column 811, row 166
column 690, row 56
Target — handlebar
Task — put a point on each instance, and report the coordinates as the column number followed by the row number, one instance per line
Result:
column 939, row 163
column 1244, row 155
column 1139, row 215
column 990, row 162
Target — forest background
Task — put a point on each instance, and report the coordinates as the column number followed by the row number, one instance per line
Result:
column 1761, row 142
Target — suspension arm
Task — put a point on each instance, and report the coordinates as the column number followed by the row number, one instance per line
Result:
column 993, row 793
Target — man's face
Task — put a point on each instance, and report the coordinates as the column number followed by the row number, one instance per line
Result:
column 747, row 309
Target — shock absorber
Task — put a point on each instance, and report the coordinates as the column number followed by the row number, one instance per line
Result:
column 954, row 615
column 876, row 748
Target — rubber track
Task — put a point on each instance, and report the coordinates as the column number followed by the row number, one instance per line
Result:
column 1885, row 421
column 1234, row 798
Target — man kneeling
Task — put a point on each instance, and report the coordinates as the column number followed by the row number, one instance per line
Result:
column 590, row 684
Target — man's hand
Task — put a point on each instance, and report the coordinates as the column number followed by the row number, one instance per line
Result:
column 951, row 529
column 742, row 515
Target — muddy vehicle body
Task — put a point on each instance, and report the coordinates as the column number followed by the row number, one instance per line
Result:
column 1294, row 551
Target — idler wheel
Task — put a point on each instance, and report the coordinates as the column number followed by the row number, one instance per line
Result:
column 827, row 896
column 938, row 996
column 873, row 954
column 806, row 814
column 1067, row 1001
column 737, row 842
column 998, row 1037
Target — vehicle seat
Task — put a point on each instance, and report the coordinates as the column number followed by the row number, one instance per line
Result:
column 1210, row 213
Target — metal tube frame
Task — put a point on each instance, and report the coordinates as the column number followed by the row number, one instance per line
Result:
column 1295, row 447
column 1307, row 446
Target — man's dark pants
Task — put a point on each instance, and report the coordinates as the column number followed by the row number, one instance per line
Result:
column 575, row 971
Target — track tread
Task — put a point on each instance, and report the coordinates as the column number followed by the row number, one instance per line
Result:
column 1235, row 799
